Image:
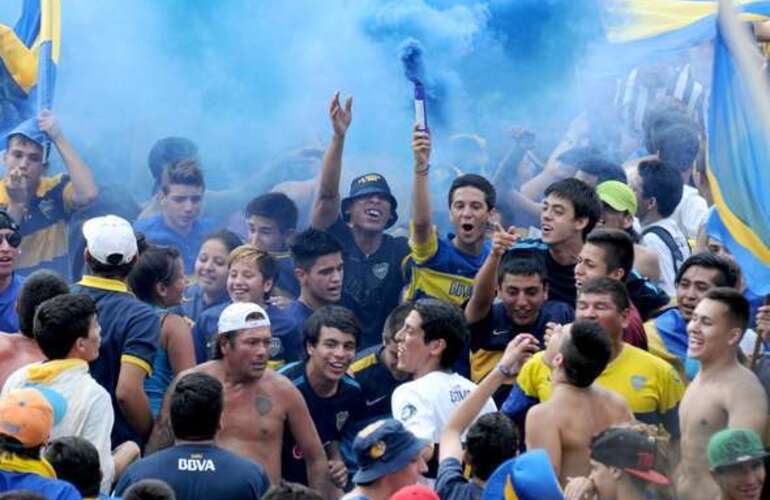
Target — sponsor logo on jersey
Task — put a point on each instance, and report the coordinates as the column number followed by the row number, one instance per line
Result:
column 457, row 394
column 195, row 464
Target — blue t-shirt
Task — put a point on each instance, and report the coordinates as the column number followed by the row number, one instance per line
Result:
column 130, row 333
column 194, row 305
column 285, row 346
column 9, row 319
column 331, row 417
column 156, row 231
column 52, row 489
column 451, row 483
column 200, row 471
column 286, row 282
column 372, row 284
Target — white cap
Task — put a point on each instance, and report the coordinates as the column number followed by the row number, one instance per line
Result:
column 110, row 235
column 235, row 317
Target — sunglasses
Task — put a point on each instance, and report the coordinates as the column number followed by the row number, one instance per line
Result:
column 13, row 239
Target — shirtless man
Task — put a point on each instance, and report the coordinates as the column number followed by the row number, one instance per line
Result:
column 577, row 410
column 723, row 394
column 258, row 401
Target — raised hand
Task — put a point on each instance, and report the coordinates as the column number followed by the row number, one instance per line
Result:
column 518, row 351
column 340, row 116
column 503, row 240
column 421, row 147
column 46, row 121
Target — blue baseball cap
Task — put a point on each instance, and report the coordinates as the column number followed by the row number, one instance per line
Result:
column 529, row 476
column 384, row 447
column 29, row 129
column 365, row 185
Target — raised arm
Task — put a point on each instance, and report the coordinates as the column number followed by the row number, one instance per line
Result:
column 483, row 294
column 421, row 210
column 326, row 206
column 84, row 189
column 305, row 434
column 516, row 354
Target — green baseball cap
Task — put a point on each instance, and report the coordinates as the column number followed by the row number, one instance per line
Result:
column 617, row 195
column 734, row 446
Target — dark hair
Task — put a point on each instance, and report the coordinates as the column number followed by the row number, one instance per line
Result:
column 167, row 151
column 678, row 146
column 476, row 181
column 490, row 441
column 728, row 271
column 395, row 320
column 332, row 316
column 585, row 201
column 586, row 353
column 521, row 263
column 231, row 336
column 229, row 239
column 23, row 140
column 311, row 244
column 186, row 172
column 196, row 407
column 149, row 489
column 274, row 206
column 737, row 306
column 604, row 285
column 291, row 491
column 60, row 321
column 12, row 445
column 660, row 117
column 618, row 249
column 115, row 271
column 76, row 461
column 442, row 320
column 36, row 289
column 21, row 495
column 602, row 169
column 157, row 264
column 663, row 183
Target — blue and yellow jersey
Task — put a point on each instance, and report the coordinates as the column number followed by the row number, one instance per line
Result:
column 130, row 334
column 45, row 239
column 650, row 386
column 667, row 338
column 437, row 269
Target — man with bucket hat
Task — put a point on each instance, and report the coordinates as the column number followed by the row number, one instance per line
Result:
column 389, row 457
column 737, row 463
column 373, row 279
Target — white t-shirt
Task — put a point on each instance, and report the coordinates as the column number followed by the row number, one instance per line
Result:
column 691, row 212
column 89, row 412
column 424, row 405
column 665, row 258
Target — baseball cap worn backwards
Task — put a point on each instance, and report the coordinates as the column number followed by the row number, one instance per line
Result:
column 384, row 447
column 242, row 316
column 733, row 447
column 110, row 240
column 27, row 416
column 629, row 450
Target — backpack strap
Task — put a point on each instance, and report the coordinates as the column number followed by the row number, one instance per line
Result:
column 668, row 240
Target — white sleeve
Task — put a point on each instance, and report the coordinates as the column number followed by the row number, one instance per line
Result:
column 97, row 429
column 411, row 409
column 693, row 215
column 665, row 261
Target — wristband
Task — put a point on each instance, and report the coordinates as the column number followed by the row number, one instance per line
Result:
column 507, row 373
column 422, row 170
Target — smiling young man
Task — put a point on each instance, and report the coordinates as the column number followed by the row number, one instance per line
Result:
column 373, row 278
column 333, row 397
column 444, row 268
column 433, row 337
column 259, row 404
column 523, row 307
column 42, row 205
column 723, row 394
column 667, row 334
column 737, row 463
column 69, row 335
column 179, row 223
column 571, row 209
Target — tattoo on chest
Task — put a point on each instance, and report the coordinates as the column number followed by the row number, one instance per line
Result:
column 264, row 405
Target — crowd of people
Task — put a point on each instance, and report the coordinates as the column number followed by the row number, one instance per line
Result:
column 572, row 331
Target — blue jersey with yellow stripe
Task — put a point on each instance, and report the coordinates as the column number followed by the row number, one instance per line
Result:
column 667, row 338
column 130, row 334
column 650, row 386
column 438, row 269
column 44, row 231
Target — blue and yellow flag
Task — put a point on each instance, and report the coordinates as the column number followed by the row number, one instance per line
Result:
column 738, row 165
column 29, row 53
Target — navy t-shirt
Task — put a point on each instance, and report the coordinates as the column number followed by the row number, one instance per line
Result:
column 200, row 471
column 372, row 284
column 284, row 346
column 286, row 282
column 130, row 333
column 451, row 483
column 331, row 417
column 561, row 278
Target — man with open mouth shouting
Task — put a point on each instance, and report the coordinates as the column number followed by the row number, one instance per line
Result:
column 373, row 279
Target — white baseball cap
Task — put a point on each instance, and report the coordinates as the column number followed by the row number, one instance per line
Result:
column 108, row 236
column 236, row 317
